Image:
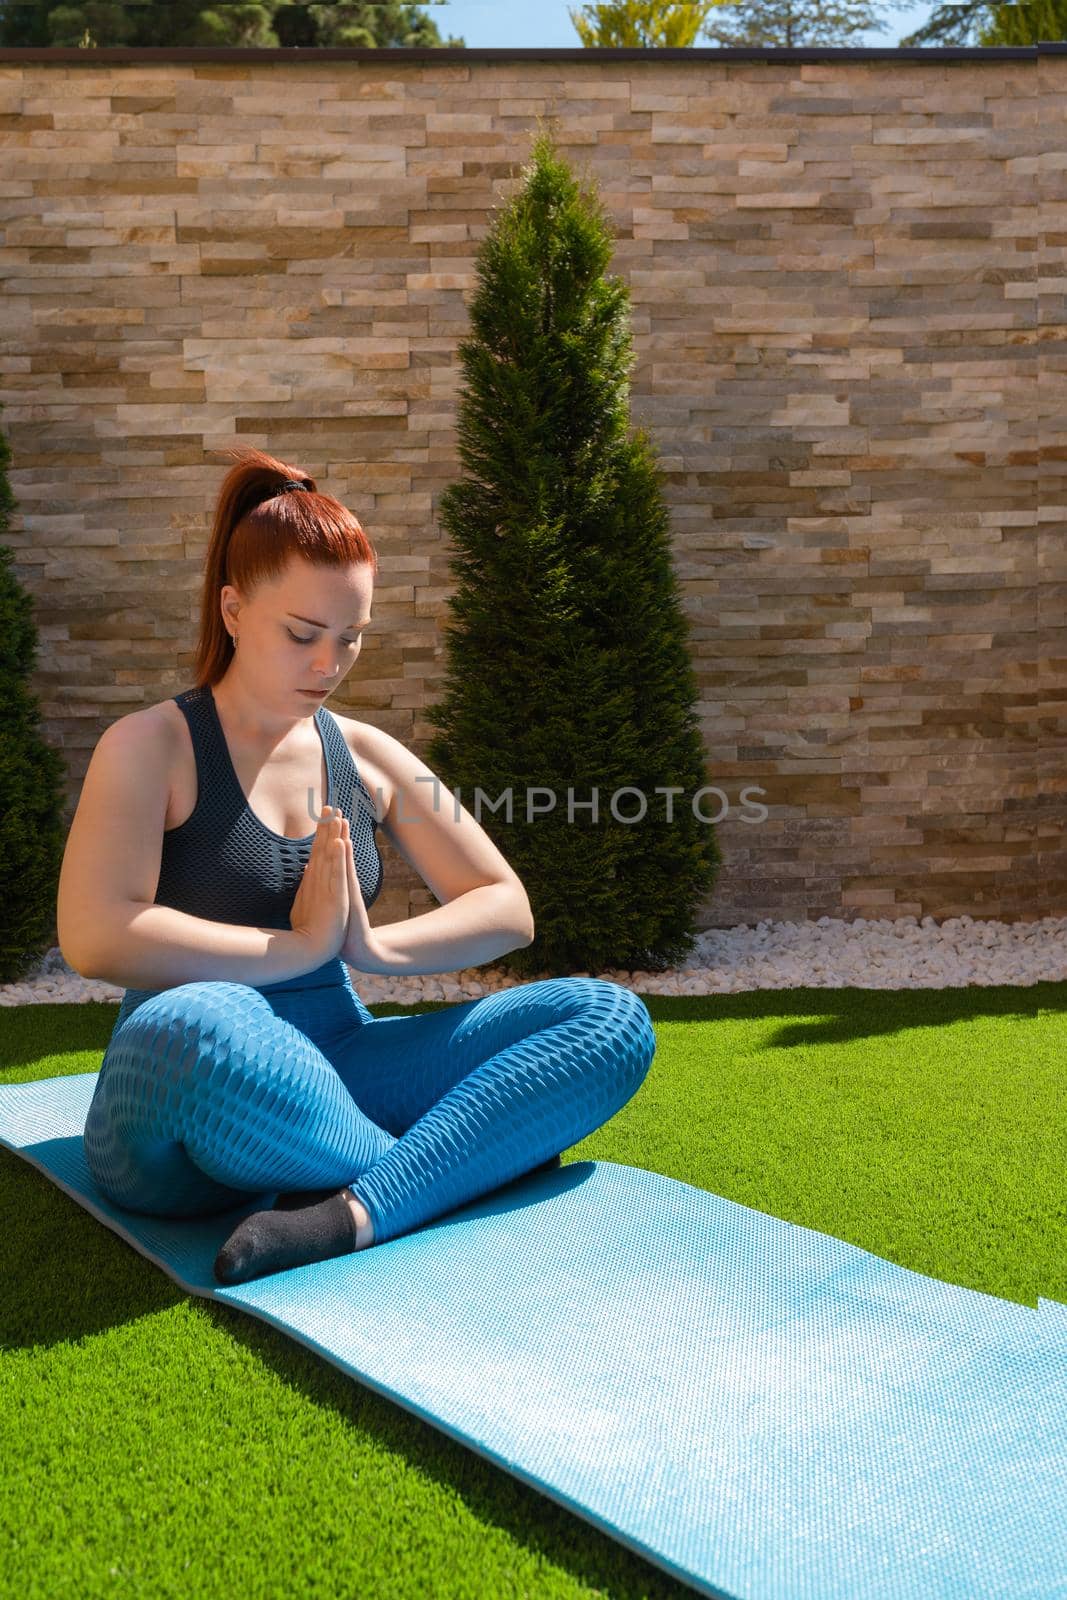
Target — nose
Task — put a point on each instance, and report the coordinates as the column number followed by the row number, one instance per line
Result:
column 325, row 666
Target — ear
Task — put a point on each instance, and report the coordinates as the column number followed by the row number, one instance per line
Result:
column 229, row 602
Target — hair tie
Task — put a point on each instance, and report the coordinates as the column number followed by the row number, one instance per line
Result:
column 293, row 483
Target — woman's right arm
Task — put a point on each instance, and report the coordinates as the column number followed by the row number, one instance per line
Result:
column 106, row 919
column 156, row 947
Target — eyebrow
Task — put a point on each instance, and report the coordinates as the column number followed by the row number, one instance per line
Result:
column 313, row 624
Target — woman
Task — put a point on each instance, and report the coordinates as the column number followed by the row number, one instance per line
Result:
column 242, row 1062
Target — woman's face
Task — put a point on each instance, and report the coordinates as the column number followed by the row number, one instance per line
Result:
column 302, row 631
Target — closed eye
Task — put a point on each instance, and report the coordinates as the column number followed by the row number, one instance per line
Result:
column 297, row 640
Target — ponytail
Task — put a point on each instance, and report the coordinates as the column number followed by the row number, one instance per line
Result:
column 255, row 530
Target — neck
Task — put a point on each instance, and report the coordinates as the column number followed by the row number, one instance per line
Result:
column 249, row 721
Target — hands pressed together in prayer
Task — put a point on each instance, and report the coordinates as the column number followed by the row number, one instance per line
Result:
column 329, row 910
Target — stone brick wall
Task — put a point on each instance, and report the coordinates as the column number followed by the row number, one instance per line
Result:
column 847, row 293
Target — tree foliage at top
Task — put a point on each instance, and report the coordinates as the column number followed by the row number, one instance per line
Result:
column 104, row 24
column 641, row 24
column 792, row 24
column 977, row 23
column 751, row 24
column 391, row 24
column 797, row 23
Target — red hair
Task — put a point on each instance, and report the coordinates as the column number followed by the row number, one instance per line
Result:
column 254, row 533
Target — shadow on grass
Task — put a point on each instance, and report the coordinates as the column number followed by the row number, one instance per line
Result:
column 32, row 1037
column 839, row 1016
column 66, row 1276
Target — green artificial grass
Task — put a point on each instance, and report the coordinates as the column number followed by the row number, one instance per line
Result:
column 156, row 1444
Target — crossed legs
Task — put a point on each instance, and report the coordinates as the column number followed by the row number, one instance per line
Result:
column 211, row 1093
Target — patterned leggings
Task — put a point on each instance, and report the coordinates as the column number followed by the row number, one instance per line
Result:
column 211, row 1093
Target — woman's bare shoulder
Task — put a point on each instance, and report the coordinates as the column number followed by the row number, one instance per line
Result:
column 156, row 727
column 144, row 744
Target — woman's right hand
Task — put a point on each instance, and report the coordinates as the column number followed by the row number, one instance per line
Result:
column 320, row 911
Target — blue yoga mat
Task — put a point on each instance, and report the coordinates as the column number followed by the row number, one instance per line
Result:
column 763, row 1411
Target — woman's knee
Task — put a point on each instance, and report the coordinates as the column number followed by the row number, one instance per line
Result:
column 636, row 1021
column 615, row 998
column 621, row 1018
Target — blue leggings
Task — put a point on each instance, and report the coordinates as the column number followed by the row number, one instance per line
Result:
column 211, row 1093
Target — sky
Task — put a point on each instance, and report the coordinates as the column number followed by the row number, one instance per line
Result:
column 497, row 23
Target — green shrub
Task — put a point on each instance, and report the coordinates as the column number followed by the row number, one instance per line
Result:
column 567, row 657
column 31, row 778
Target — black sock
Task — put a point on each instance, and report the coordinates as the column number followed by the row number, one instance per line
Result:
column 298, row 1198
column 270, row 1241
column 304, row 1225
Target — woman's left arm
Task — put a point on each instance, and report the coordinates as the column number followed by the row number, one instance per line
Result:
column 476, row 927
column 484, row 910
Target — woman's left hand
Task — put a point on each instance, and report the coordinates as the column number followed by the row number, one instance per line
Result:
column 360, row 945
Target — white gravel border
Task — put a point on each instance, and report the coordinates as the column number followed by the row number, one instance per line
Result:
column 899, row 953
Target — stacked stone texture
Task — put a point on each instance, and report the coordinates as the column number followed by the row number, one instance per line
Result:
column 847, row 292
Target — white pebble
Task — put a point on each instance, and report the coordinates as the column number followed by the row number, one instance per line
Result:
column 827, row 954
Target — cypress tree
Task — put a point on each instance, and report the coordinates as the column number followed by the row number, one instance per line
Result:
column 568, row 669
column 31, row 777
